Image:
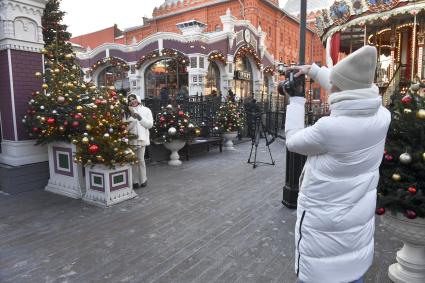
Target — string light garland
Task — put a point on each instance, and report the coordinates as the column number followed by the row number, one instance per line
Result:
column 269, row 70
column 164, row 53
column 110, row 61
column 248, row 51
column 217, row 56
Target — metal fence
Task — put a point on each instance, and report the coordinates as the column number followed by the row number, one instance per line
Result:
column 203, row 110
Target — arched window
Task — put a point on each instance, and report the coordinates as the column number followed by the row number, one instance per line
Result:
column 114, row 76
column 213, row 80
column 164, row 78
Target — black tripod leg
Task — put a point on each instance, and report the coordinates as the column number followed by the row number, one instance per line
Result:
column 267, row 144
column 249, row 158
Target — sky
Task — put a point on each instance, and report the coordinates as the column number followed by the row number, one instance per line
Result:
column 85, row 16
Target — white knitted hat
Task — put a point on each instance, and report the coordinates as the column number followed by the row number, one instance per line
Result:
column 355, row 71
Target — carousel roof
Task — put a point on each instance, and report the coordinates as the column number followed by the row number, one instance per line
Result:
column 351, row 16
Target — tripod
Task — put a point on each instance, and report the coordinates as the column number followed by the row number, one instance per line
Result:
column 259, row 129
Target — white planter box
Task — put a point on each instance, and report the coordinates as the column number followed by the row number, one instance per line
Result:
column 228, row 140
column 106, row 187
column 66, row 177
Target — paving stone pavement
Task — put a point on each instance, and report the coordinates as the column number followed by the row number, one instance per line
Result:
column 213, row 219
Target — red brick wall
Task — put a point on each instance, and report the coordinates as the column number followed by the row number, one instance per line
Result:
column 96, row 38
column 24, row 66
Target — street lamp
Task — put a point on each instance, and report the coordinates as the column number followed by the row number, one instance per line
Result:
column 294, row 161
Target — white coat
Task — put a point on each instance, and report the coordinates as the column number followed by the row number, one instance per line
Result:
column 337, row 198
column 141, row 128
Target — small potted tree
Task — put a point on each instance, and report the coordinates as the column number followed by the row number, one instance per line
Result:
column 229, row 121
column 173, row 128
column 103, row 148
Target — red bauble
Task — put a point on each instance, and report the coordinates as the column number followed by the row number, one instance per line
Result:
column 51, row 121
column 412, row 190
column 181, row 131
column 75, row 124
column 162, row 119
column 113, row 93
column 406, row 99
column 35, row 129
column 78, row 116
column 181, row 113
column 410, row 214
column 385, row 151
column 94, row 117
column 380, row 210
column 65, row 123
column 388, row 157
column 97, row 101
column 93, row 149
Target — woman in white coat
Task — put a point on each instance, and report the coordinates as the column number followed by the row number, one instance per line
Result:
column 140, row 121
column 334, row 233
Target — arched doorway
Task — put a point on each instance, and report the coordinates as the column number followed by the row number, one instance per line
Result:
column 243, row 80
column 114, row 76
column 212, row 85
column 164, row 78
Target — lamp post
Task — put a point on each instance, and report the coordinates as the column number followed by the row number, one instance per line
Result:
column 295, row 162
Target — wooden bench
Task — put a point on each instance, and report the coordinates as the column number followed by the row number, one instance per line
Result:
column 203, row 141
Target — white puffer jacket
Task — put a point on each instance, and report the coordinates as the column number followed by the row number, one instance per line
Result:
column 337, row 198
column 141, row 128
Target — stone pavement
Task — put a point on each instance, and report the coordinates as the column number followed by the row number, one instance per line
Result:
column 214, row 219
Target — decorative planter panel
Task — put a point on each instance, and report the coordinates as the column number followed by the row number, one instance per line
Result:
column 174, row 147
column 106, row 187
column 66, row 177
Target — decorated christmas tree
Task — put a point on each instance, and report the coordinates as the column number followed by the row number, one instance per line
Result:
column 402, row 183
column 69, row 109
column 105, row 139
column 229, row 118
column 173, row 124
column 54, row 114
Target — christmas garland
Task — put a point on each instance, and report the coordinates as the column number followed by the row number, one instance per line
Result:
column 269, row 70
column 249, row 50
column 111, row 61
column 217, row 56
column 165, row 53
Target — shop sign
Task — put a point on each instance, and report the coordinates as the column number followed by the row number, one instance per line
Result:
column 242, row 75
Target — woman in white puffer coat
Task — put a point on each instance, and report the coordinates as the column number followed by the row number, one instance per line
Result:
column 334, row 233
column 139, row 120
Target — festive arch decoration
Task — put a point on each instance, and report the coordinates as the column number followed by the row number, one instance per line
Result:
column 164, row 53
column 109, row 61
column 247, row 50
column 217, row 56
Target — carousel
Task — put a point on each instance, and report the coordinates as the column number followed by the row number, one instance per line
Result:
column 396, row 28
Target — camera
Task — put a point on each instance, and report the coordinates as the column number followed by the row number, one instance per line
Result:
column 294, row 86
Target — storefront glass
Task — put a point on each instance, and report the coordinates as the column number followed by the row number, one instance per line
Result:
column 114, row 76
column 212, row 86
column 243, row 81
column 165, row 78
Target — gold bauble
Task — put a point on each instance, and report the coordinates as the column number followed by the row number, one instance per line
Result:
column 197, row 132
column 423, row 156
column 407, row 111
column 420, row 114
column 396, row 177
column 79, row 108
column 88, row 127
column 70, row 85
column 61, row 128
column 44, row 51
column 43, row 119
column 99, row 158
column 74, row 141
column 38, row 74
column 112, row 87
column 93, row 87
column 57, row 71
column 44, row 86
column 69, row 56
column 85, row 140
column 83, row 86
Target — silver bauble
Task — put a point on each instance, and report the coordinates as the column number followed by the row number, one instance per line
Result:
column 405, row 158
column 172, row 131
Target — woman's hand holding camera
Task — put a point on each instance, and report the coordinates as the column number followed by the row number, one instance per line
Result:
column 301, row 70
column 136, row 116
